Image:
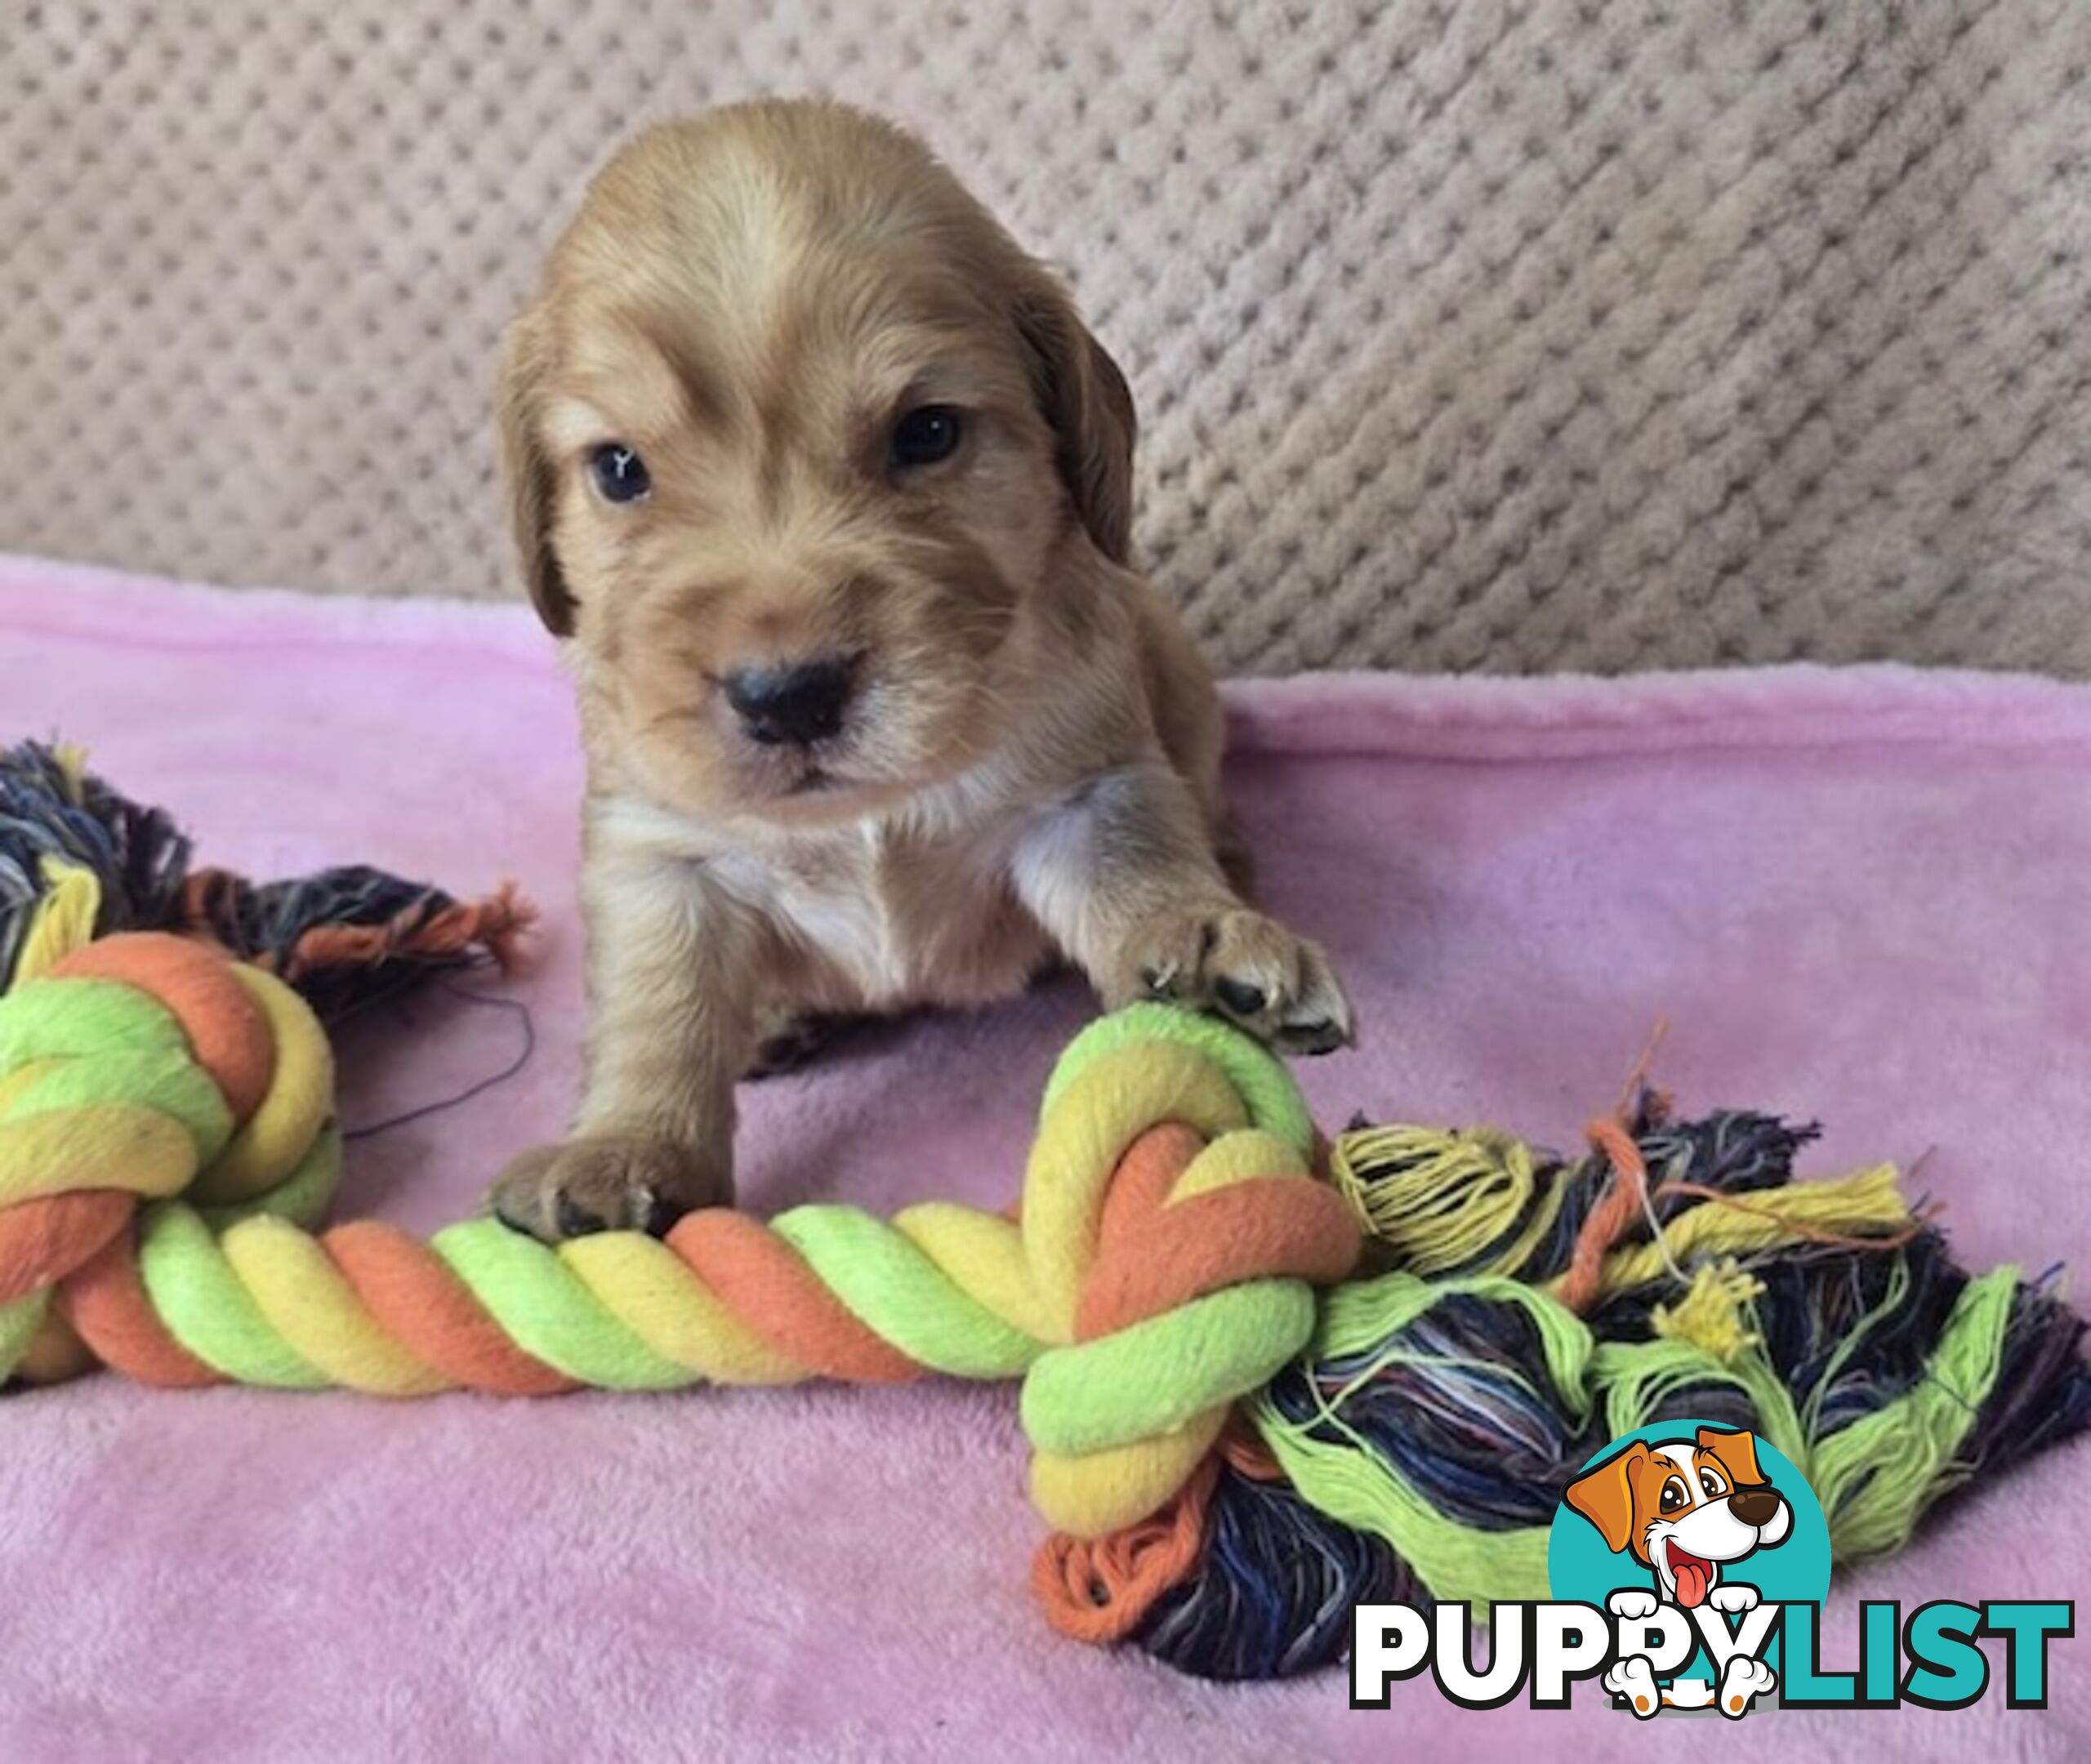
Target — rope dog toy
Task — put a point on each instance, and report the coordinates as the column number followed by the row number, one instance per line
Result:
column 1252, row 1396
column 1136, row 1309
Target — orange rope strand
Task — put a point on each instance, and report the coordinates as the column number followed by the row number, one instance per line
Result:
column 1101, row 1589
column 1609, row 1218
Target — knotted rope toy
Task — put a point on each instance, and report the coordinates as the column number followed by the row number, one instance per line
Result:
column 1171, row 1232
column 1235, row 1437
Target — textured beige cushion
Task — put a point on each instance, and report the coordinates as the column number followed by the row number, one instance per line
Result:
column 1590, row 333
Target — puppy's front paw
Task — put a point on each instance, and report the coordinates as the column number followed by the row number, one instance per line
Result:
column 606, row 1184
column 1632, row 1602
column 1248, row 969
column 1733, row 1598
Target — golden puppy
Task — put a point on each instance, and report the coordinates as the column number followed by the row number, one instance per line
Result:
column 828, row 489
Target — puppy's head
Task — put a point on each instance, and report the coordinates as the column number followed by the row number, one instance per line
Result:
column 798, row 446
column 1684, row 1506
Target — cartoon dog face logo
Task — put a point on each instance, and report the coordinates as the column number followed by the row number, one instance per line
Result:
column 1685, row 1508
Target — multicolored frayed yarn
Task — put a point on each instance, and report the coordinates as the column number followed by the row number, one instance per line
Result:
column 79, row 861
column 1442, row 1405
column 1236, row 1430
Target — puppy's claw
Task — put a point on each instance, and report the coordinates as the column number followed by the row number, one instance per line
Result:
column 574, row 1220
column 1239, row 964
column 499, row 1208
column 660, row 1215
column 1323, row 1037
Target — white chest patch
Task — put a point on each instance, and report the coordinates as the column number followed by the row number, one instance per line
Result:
column 883, row 914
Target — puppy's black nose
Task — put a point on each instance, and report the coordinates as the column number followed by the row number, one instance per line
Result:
column 1754, row 1506
column 801, row 704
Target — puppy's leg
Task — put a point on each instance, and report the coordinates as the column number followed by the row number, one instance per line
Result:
column 1124, row 876
column 672, row 1027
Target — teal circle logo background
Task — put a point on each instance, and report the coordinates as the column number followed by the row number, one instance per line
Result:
column 1793, row 1571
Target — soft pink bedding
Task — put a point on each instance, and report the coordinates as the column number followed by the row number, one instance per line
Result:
column 1858, row 895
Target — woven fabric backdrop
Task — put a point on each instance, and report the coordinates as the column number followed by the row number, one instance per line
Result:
column 1514, row 334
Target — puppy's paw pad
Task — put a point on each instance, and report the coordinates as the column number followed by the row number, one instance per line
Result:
column 586, row 1186
column 1249, row 969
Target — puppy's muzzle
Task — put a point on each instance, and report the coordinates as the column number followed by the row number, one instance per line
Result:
column 794, row 705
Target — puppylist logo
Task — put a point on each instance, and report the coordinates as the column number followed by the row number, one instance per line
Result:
column 1688, row 1563
column 1673, row 1533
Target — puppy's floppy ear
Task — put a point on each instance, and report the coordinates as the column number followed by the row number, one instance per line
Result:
column 527, row 471
column 1604, row 1495
column 1736, row 1452
column 1085, row 397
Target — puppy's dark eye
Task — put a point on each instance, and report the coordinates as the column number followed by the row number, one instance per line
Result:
column 1674, row 1495
column 926, row 435
column 1713, row 1484
column 620, row 474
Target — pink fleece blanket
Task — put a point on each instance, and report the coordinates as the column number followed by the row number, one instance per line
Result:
column 1856, row 895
